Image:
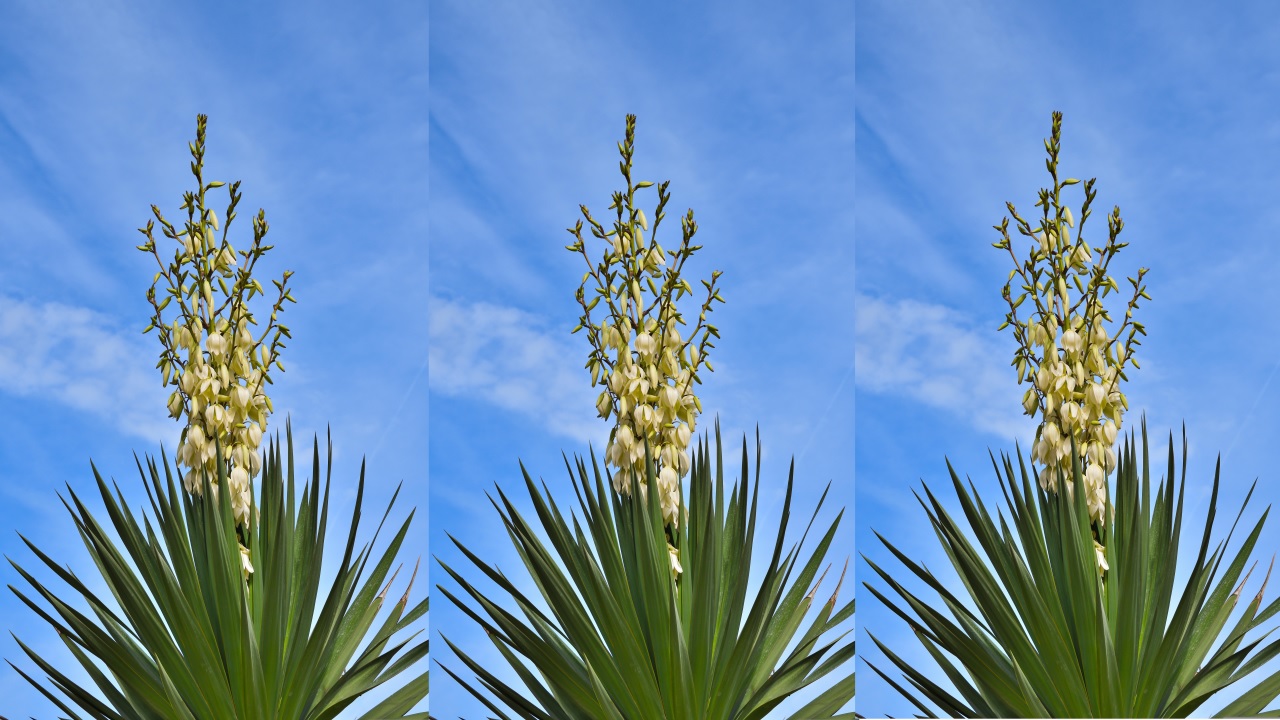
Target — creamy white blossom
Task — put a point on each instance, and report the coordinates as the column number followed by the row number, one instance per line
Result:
column 246, row 565
column 674, row 555
column 1100, row 554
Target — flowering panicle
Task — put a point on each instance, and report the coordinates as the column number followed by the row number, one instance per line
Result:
column 1065, row 351
column 646, row 364
column 212, row 354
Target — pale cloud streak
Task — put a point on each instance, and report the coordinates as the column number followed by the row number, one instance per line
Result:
column 79, row 358
column 936, row 356
column 506, row 357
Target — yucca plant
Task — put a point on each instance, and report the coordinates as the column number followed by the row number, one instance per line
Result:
column 220, row 614
column 1040, row 631
column 622, row 637
column 190, row 636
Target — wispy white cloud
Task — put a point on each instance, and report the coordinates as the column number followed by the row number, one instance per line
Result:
column 79, row 358
column 507, row 357
column 935, row 355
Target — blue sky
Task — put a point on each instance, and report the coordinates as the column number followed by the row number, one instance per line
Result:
column 1173, row 110
column 322, row 112
column 749, row 113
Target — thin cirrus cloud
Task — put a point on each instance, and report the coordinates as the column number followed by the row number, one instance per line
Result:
column 937, row 356
column 77, row 357
column 503, row 356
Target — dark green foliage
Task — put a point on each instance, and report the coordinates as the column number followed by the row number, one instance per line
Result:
column 624, row 640
column 192, row 639
column 1041, row 633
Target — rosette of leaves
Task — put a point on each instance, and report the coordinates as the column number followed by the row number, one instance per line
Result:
column 1038, row 632
column 613, row 635
column 188, row 637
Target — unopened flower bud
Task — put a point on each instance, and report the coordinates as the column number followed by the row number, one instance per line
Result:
column 1030, row 401
column 175, row 404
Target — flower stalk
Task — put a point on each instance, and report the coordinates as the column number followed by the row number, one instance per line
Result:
column 1072, row 362
column 646, row 365
column 213, row 354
